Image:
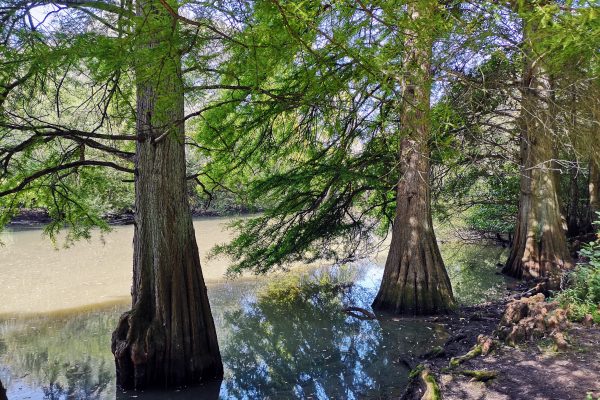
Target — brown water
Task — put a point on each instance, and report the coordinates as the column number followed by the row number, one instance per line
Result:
column 281, row 336
column 38, row 277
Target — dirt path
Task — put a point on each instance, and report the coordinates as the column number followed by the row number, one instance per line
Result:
column 532, row 371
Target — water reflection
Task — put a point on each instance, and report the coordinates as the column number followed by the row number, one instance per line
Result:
column 59, row 357
column 2, row 392
column 474, row 271
column 295, row 341
column 281, row 337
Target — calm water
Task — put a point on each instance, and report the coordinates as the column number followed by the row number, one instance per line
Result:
column 281, row 336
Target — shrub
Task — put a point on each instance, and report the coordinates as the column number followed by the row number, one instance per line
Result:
column 582, row 296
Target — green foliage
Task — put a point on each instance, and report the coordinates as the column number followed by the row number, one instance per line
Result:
column 494, row 218
column 293, row 107
column 478, row 178
column 582, row 296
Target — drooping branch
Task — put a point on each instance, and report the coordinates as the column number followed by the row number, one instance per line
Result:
column 47, row 171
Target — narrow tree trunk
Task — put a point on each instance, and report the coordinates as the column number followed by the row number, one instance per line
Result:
column 540, row 245
column 168, row 338
column 574, row 223
column 594, row 189
column 415, row 281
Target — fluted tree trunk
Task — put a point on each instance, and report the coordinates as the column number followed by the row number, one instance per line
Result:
column 540, row 245
column 168, row 338
column 415, row 281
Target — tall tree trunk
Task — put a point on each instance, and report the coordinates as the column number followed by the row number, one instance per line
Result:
column 168, row 338
column 540, row 245
column 574, row 223
column 594, row 188
column 415, row 281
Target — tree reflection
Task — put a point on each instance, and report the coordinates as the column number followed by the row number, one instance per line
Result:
column 295, row 341
column 82, row 381
column 2, row 392
column 63, row 357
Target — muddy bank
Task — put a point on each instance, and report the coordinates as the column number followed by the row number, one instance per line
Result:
column 535, row 369
column 38, row 216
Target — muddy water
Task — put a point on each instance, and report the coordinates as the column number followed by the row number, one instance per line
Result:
column 282, row 336
column 37, row 276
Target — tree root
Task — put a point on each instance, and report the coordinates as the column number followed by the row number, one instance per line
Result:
column 432, row 389
column 436, row 352
column 474, row 352
column 422, row 376
column 479, row 375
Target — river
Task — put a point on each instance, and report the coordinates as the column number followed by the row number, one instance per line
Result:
column 283, row 335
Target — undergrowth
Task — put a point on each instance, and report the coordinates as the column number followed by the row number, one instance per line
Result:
column 582, row 295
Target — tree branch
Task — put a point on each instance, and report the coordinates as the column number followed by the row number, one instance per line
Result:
column 62, row 167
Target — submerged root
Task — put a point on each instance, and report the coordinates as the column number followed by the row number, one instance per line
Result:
column 359, row 313
column 134, row 347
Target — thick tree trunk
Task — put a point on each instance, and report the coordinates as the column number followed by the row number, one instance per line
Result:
column 168, row 339
column 540, row 245
column 415, row 281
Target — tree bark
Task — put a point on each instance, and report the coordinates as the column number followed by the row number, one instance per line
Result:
column 594, row 193
column 168, row 338
column 415, row 281
column 594, row 189
column 540, row 245
column 575, row 225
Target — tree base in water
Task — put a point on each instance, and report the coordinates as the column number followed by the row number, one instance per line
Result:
column 144, row 358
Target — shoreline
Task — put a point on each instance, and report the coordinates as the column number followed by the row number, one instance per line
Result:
column 533, row 369
column 36, row 217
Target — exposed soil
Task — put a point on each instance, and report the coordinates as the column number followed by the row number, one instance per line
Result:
column 530, row 371
column 533, row 371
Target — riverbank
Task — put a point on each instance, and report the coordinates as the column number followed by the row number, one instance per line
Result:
column 35, row 217
column 531, row 370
